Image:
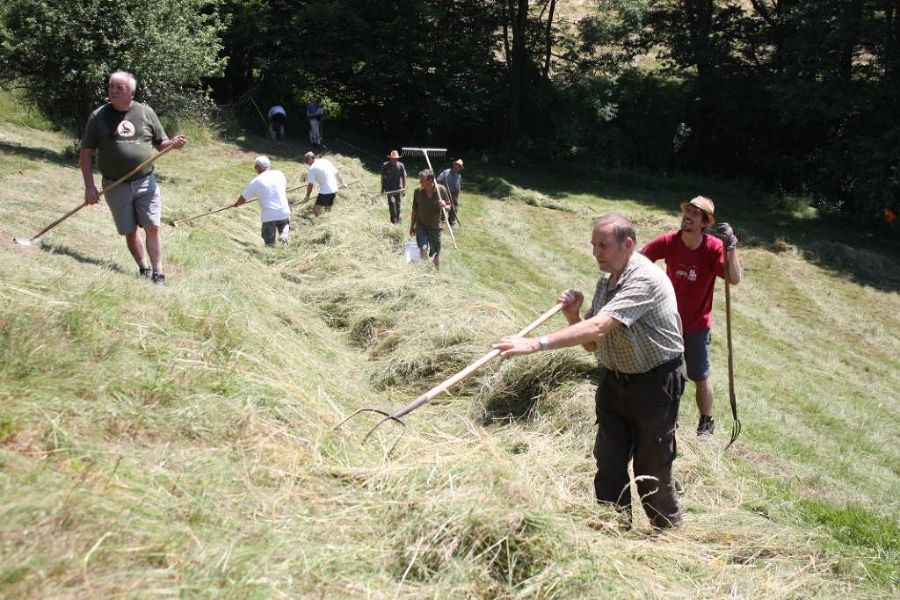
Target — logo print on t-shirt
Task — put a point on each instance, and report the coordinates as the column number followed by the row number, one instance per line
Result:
column 125, row 129
column 686, row 272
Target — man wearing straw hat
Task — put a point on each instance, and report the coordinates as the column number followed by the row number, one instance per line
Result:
column 124, row 133
column 270, row 187
column 634, row 329
column 393, row 181
column 452, row 178
column 693, row 261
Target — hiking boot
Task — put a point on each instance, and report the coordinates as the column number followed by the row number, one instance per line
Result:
column 158, row 279
column 145, row 272
column 706, row 426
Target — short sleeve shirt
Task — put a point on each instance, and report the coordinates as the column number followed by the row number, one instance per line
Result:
column 393, row 175
column 123, row 139
column 323, row 172
column 451, row 179
column 270, row 188
column 643, row 301
column 693, row 274
column 428, row 208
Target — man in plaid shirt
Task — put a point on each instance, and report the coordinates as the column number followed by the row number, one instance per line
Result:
column 634, row 328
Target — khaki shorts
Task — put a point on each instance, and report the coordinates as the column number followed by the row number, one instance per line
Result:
column 133, row 203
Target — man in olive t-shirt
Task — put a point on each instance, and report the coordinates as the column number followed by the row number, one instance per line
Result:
column 125, row 133
column 425, row 220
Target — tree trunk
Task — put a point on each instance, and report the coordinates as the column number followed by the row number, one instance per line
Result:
column 518, row 17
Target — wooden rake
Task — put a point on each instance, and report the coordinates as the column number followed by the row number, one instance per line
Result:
column 110, row 187
column 436, row 152
column 442, row 387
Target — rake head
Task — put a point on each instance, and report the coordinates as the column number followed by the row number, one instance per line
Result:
column 24, row 242
column 387, row 417
column 424, row 151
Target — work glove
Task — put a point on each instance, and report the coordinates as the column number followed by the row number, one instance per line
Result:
column 724, row 232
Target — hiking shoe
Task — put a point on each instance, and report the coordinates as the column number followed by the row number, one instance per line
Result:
column 706, row 426
column 145, row 272
column 158, row 279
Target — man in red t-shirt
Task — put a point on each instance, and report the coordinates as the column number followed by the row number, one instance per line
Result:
column 693, row 261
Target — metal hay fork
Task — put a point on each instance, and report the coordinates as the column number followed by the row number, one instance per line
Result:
column 446, row 384
column 736, row 426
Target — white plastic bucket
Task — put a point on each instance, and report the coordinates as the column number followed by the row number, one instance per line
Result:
column 411, row 251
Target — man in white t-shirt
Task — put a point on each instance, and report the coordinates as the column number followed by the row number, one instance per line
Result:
column 324, row 173
column 270, row 188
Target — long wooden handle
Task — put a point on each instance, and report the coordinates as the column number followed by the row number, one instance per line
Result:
column 430, row 394
column 111, row 186
column 212, row 212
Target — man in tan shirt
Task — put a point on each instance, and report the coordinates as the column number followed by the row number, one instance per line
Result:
column 634, row 328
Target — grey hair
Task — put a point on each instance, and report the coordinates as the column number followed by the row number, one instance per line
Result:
column 427, row 173
column 622, row 228
column 128, row 77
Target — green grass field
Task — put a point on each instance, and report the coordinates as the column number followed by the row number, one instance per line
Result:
column 180, row 441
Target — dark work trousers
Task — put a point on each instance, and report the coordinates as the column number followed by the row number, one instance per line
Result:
column 636, row 420
column 394, row 207
column 454, row 208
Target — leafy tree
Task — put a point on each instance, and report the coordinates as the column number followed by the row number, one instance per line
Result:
column 62, row 52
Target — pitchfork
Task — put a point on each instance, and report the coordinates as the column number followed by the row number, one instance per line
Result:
column 437, row 152
column 430, row 394
column 736, row 426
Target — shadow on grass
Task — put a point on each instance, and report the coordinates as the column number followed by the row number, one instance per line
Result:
column 36, row 153
column 83, row 259
column 863, row 255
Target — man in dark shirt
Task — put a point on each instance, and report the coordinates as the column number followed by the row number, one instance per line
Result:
column 124, row 133
column 425, row 220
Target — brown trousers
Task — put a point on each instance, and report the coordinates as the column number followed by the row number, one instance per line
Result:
column 636, row 420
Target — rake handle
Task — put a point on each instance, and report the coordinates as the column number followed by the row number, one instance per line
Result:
column 430, row 394
column 108, row 188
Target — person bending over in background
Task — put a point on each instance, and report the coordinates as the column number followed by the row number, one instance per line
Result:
column 270, row 187
column 693, row 261
column 322, row 172
column 425, row 220
column 277, row 118
column 124, row 133
column 634, row 329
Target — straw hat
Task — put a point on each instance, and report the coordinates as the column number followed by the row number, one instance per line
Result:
column 704, row 204
column 393, row 154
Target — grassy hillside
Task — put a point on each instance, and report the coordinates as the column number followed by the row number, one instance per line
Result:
column 179, row 440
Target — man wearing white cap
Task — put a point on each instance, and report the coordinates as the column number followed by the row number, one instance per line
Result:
column 270, row 188
column 693, row 261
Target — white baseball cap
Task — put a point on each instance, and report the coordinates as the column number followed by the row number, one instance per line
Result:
column 263, row 162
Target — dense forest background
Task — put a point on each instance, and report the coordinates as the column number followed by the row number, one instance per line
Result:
column 800, row 97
